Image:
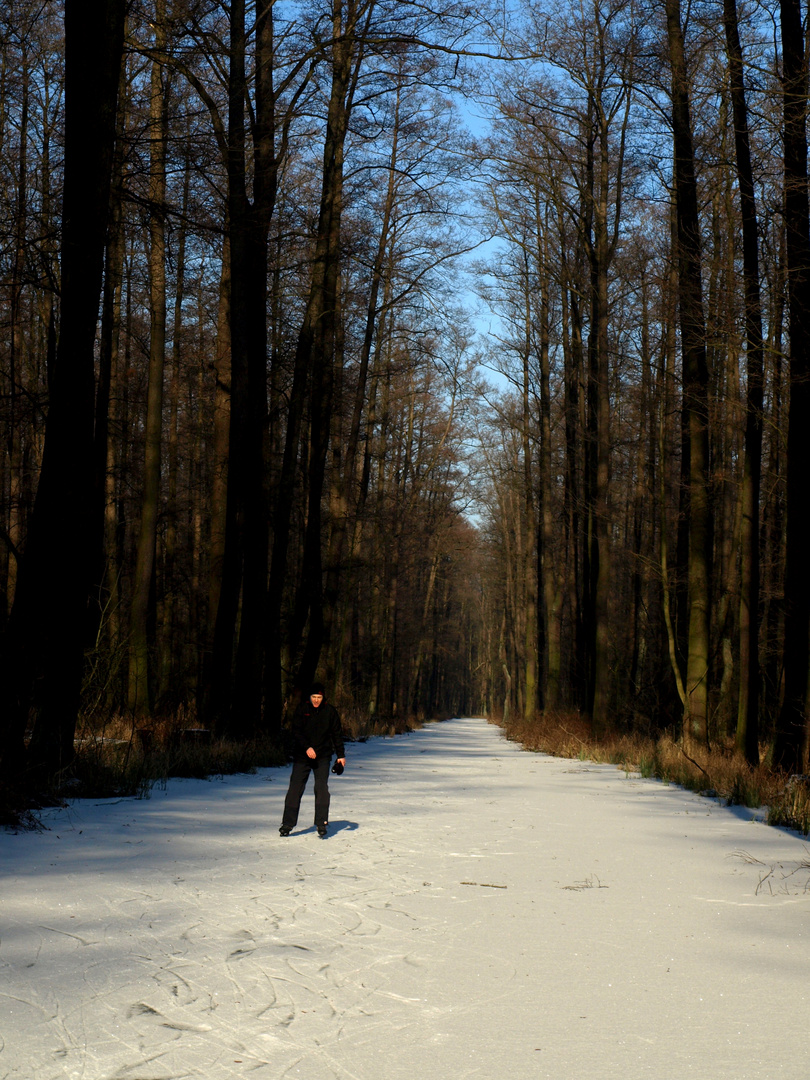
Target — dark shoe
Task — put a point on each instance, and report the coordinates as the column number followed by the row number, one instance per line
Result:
column 322, row 830
column 284, row 830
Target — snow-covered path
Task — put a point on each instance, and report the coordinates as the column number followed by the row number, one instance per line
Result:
column 477, row 911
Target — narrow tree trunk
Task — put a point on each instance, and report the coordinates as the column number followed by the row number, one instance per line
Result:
column 574, row 438
column 168, row 653
column 529, row 528
column 139, row 698
column 16, row 338
column 218, row 467
column 695, row 391
column 108, row 568
column 600, row 388
column 772, row 561
column 551, row 546
column 748, row 704
column 247, row 714
column 104, row 613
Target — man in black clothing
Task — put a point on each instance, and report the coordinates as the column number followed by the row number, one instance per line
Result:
column 316, row 734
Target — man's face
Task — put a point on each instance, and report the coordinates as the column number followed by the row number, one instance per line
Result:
column 316, row 700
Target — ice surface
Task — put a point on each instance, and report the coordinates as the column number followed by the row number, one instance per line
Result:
column 477, row 911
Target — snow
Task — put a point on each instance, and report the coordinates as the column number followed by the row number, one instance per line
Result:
column 477, row 911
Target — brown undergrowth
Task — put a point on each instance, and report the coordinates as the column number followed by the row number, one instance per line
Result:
column 720, row 773
column 124, row 759
column 117, row 757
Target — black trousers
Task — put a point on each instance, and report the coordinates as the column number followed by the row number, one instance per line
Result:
column 298, row 781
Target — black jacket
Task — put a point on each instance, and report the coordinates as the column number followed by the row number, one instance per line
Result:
column 319, row 728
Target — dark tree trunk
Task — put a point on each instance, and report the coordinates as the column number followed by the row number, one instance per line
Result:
column 108, row 352
column 748, row 707
column 235, row 701
column 314, row 358
column 346, row 506
column 42, row 655
column 695, row 390
column 790, row 750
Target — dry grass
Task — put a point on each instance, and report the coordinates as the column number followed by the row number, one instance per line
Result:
column 358, row 727
column 122, row 759
column 115, row 757
column 721, row 773
column 792, row 808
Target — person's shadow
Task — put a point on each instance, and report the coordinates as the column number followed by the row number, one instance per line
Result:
column 336, row 827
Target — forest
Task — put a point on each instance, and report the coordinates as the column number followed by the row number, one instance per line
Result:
column 458, row 357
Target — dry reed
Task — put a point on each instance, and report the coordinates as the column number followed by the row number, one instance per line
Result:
column 721, row 772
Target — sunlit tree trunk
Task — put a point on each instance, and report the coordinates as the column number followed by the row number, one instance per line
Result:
column 529, row 524
column 599, row 409
column 695, row 391
column 551, row 547
column 575, row 533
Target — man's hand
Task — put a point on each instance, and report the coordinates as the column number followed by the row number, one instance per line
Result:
column 311, row 753
column 342, row 761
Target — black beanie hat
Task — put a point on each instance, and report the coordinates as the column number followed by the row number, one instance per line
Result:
column 316, row 688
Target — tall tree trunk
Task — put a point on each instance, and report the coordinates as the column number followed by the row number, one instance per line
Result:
column 247, row 712
column 235, row 701
column 695, row 390
column 106, row 564
column 344, row 477
column 748, row 704
column 574, row 438
column 773, row 512
column 42, row 657
column 218, row 472
column 168, row 654
column 315, row 356
column 790, row 746
column 599, row 387
column 16, row 352
column 551, row 547
column 139, row 696
column 529, row 527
